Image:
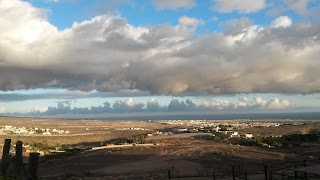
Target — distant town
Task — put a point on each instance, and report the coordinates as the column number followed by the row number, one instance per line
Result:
column 8, row 129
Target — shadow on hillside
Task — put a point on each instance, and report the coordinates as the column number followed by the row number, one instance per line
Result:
column 141, row 160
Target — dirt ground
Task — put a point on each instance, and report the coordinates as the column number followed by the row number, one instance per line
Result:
column 282, row 130
column 81, row 131
column 182, row 154
column 182, row 157
column 80, row 126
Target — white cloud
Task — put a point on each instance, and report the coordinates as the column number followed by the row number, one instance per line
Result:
column 151, row 100
column 108, row 54
column 2, row 110
column 188, row 23
column 274, row 103
column 51, row 1
column 216, row 104
column 260, row 102
column 127, row 106
column 174, row 4
column 243, row 102
column 175, row 105
column 242, row 6
column 40, row 109
column 129, row 102
column 281, row 22
column 300, row 6
column 279, row 104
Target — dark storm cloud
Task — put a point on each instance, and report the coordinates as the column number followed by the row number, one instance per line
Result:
column 7, row 97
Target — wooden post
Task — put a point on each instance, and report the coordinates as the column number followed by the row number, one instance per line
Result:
column 33, row 167
column 169, row 174
column 214, row 174
column 245, row 176
column 270, row 176
column 304, row 165
column 5, row 156
column 242, row 167
column 265, row 172
column 295, row 172
column 6, row 147
column 19, row 159
column 233, row 174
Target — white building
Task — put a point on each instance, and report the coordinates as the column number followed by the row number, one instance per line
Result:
column 231, row 134
column 248, row 135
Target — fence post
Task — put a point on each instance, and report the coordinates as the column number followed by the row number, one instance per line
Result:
column 295, row 172
column 242, row 167
column 169, row 174
column 33, row 167
column 19, row 159
column 6, row 147
column 270, row 176
column 304, row 165
column 214, row 174
column 5, row 156
column 245, row 176
column 266, row 172
column 233, row 174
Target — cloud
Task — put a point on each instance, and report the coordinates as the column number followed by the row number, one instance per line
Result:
column 107, row 6
column 278, row 104
column 174, row 4
column 2, row 110
column 175, row 105
column 274, row 103
column 281, row 22
column 241, row 6
column 64, row 107
column 127, row 106
column 67, row 95
column 51, row 1
column 299, row 6
column 217, row 104
column 40, row 109
column 108, row 54
column 245, row 104
column 152, row 105
column 258, row 101
column 189, row 22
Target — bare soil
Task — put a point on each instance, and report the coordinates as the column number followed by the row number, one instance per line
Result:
column 181, row 154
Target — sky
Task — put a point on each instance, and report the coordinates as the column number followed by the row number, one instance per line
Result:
column 138, row 56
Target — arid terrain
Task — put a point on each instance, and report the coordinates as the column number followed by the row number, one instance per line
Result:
column 80, row 131
column 181, row 153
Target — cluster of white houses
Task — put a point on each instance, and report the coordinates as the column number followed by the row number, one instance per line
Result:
column 239, row 124
column 216, row 130
column 8, row 129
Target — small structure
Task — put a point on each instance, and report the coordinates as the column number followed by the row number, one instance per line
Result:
column 182, row 130
column 231, row 134
column 248, row 135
